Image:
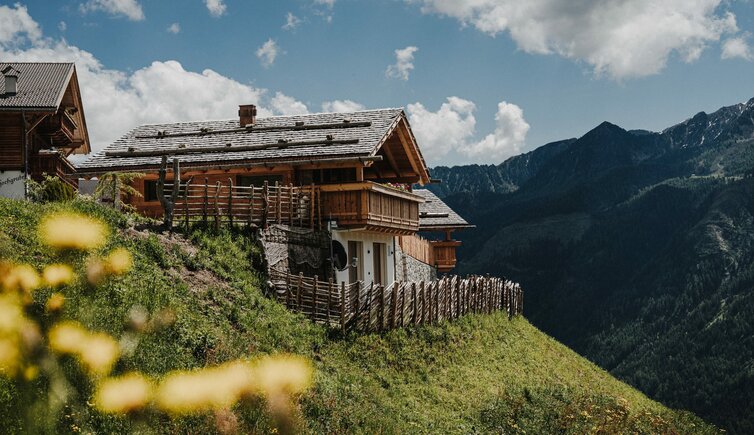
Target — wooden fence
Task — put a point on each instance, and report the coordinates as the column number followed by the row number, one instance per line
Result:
column 418, row 248
column 229, row 204
column 373, row 307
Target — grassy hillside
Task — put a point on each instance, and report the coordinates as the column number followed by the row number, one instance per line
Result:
column 479, row 374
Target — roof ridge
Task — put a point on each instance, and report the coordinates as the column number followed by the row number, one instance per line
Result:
column 37, row 63
column 266, row 117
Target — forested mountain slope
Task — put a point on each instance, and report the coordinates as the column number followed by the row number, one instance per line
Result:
column 636, row 250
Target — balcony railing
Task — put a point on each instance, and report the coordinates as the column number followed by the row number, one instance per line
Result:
column 444, row 254
column 61, row 129
column 371, row 206
column 51, row 163
column 366, row 205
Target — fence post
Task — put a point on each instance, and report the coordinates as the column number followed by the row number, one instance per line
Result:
column 251, row 205
column 356, row 314
column 403, row 305
column 311, row 206
column 278, row 203
column 217, row 206
column 343, row 306
column 414, row 303
column 382, row 308
column 393, row 317
column 329, row 299
column 206, row 201
column 370, row 298
column 230, row 201
column 288, row 290
column 314, row 298
column 185, row 203
column 265, row 203
column 290, row 205
column 298, row 290
column 422, row 306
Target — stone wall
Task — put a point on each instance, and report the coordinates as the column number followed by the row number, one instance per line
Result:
column 408, row 268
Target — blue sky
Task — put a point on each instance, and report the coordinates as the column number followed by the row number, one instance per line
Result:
column 555, row 82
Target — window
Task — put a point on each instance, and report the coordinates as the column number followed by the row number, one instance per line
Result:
column 258, row 180
column 150, row 191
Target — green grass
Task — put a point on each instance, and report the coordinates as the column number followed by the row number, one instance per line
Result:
column 480, row 374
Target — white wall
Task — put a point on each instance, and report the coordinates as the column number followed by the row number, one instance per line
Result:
column 367, row 240
column 12, row 184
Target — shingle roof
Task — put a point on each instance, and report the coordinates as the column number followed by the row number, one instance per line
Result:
column 40, row 85
column 304, row 137
column 435, row 214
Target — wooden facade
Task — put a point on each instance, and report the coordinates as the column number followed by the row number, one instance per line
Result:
column 41, row 127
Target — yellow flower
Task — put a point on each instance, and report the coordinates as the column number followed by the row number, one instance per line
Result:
column 55, row 303
column 31, row 373
column 11, row 314
column 9, row 356
column 124, row 394
column 283, row 375
column 67, row 337
column 56, row 275
column 213, row 388
column 99, row 353
column 22, row 277
column 72, row 231
column 119, row 261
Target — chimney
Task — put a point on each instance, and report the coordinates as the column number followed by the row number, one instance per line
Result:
column 11, row 80
column 247, row 114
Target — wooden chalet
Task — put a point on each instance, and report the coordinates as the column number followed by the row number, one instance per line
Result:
column 349, row 173
column 41, row 123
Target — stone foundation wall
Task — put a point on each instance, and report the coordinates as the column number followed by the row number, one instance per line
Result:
column 408, row 268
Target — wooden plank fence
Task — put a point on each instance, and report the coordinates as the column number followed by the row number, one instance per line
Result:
column 224, row 203
column 373, row 307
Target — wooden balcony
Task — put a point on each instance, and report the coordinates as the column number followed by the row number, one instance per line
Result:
column 51, row 163
column 371, row 206
column 444, row 254
column 61, row 129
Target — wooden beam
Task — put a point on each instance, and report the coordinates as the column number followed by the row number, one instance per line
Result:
column 132, row 152
column 390, row 157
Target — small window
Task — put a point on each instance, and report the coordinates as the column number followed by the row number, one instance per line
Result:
column 258, row 180
column 150, row 191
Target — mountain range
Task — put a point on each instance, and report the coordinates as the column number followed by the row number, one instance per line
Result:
column 635, row 248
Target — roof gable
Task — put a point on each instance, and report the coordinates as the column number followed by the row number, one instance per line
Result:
column 40, row 85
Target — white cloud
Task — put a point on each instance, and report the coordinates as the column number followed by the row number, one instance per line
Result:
column 737, row 47
column 174, row 28
column 216, row 8
column 449, row 132
column 328, row 3
column 442, row 131
column 404, row 63
column 617, row 38
column 16, row 24
column 506, row 141
column 284, row 105
column 268, row 52
column 117, row 101
column 342, row 106
column 291, row 22
column 62, row 26
column 131, row 9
